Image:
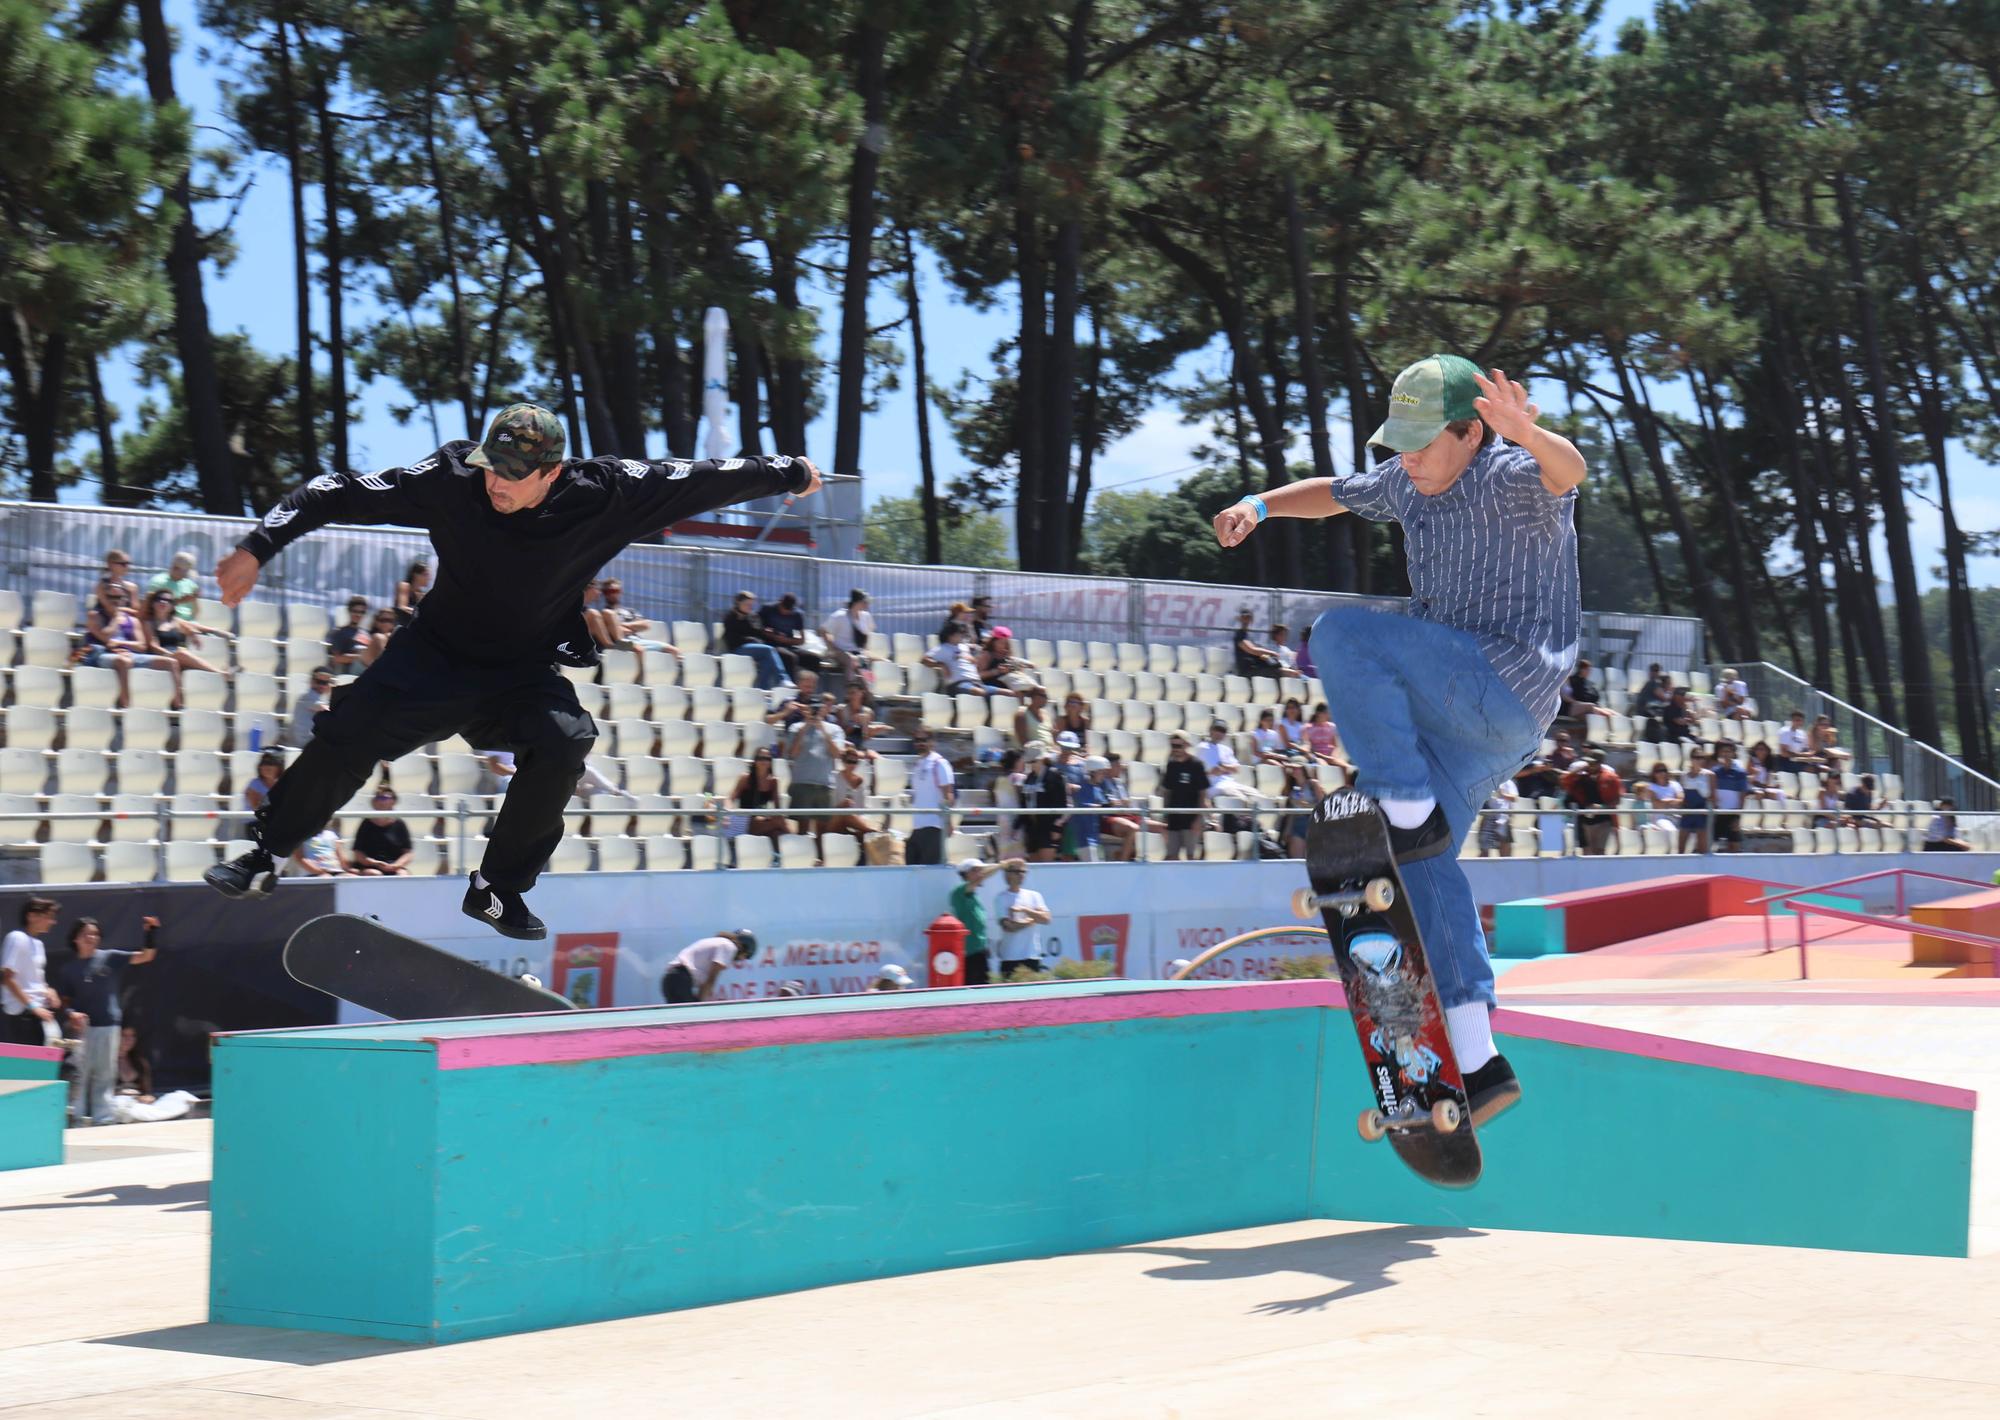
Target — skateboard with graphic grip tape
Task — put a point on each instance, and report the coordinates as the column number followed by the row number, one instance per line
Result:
column 1420, row 1100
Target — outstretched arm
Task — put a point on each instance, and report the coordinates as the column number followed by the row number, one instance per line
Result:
column 1308, row 498
column 394, row 495
column 1503, row 403
column 656, row 492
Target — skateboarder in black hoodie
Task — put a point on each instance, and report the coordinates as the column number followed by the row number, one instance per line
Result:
column 519, row 531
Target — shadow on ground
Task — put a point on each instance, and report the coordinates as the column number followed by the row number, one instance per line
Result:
column 1359, row 1261
column 256, row 1343
column 169, row 1197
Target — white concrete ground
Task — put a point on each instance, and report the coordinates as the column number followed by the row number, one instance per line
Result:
column 105, row 1264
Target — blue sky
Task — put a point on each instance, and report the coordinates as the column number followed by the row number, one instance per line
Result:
column 254, row 295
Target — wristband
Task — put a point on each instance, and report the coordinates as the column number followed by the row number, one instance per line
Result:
column 1253, row 501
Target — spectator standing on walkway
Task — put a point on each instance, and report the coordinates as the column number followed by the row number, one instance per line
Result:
column 1022, row 913
column 1496, row 820
column 743, row 635
column 1042, row 787
column 1697, row 797
column 90, row 981
column 1592, row 785
column 1732, row 787
column 970, row 910
column 933, row 789
column 1184, row 791
column 33, row 1009
column 697, row 971
column 813, row 747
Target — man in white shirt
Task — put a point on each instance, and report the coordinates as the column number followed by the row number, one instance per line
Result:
column 1021, row 914
column 956, row 665
column 1220, row 761
column 1732, row 697
column 933, row 786
column 698, row 969
column 1795, row 746
column 29, row 1002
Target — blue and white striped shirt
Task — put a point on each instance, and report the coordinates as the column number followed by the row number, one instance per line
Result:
column 1493, row 555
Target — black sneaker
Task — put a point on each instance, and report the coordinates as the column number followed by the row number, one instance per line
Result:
column 251, row 874
column 1426, row 840
column 503, row 911
column 1490, row 1089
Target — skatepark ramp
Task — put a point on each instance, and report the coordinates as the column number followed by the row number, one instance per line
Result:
column 33, row 1104
column 438, row 1181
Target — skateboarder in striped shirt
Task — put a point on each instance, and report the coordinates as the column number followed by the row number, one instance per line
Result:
column 1439, row 702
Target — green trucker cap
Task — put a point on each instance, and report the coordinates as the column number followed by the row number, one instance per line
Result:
column 1430, row 394
column 521, row 439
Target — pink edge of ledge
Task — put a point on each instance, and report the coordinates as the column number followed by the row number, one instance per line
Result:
column 1558, row 1031
column 678, row 1037
column 31, row 1052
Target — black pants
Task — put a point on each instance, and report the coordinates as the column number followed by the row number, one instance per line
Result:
column 22, row 1029
column 677, row 985
column 415, row 694
column 976, row 973
column 926, row 845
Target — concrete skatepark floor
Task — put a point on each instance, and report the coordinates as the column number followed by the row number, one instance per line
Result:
column 107, row 1257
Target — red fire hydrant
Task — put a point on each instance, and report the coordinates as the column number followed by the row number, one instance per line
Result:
column 947, row 951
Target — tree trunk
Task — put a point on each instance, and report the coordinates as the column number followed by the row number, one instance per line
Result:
column 933, row 531
column 1360, row 421
column 1032, row 494
column 1807, row 495
column 564, row 261
column 1709, row 411
column 1873, row 634
column 1086, row 437
column 788, row 391
column 870, row 44
column 1699, row 587
column 1336, row 544
column 216, row 477
column 611, row 245
column 461, row 351
column 308, row 413
column 748, row 374
column 496, row 323
column 37, row 384
column 1919, row 696
column 677, row 416
column 110, row 485
column 1638, row 515
column 1260, row 561
column 331, row 252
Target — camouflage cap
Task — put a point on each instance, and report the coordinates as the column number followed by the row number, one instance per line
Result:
column 521, row 439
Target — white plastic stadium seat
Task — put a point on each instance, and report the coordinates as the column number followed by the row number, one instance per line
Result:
column 130, row 862
column 736, row 671
column 841, row 850
column 754, row 851
column 617, row 855
column 54, row 611
column 797, row 850
column 188, row 859
column 43, row 685
column 65, row 829
column 68, row 863
column 20, row 818
column 44, row 646
column 1218, row 847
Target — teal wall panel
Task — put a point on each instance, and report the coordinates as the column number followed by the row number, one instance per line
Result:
column 32, row 1114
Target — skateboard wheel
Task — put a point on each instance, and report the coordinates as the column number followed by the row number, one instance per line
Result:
column 1305, row 903
column 1380, row 895
column 1372, row 1125
column 1446, row 1116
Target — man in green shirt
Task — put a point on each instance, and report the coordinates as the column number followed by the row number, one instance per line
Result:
column 178, row 579
column 967, row 908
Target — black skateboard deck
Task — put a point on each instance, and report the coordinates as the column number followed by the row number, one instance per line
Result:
column 360, row 960
column 1420, row 1101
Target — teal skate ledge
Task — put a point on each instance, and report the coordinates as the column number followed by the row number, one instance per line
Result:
column 34, row 1105
column 439, row 1181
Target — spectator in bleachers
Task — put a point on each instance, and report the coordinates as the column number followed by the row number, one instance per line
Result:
column 1042, row 787
column 1074, row 720
column 856, row 718
column 270, row 764
column 850, row 635
column 1651, row 705
column 1124, row 829
column 1795, row 747
column 1184, row 790
column 379, row 631
column 959, row 615
column 1022, row 913
column 1069, row 759
column 90, row 981
column 1697, row 799
column 1662, row 793
column 785, row 626
column 1324, row 740
column 416, row 581
column 1251, row 658
column 1002, row 671
column 317, row 696
column 1681, row 720
column 756, row 793
column 933, row 789
column 344, row 644
column 1831, row 811
column 1825, row 745
column 850, row 794
column 1861, row 801
column 812, row 747
column 1539, row 779
column 1302, row 791
column 1288, row 659
column 1292, row 725
column 1496, row 821
column 1007, row 795
column 1591, row 786
column 179, row 579
column 981, row 618
column 1580, row 697
column 1761, row 766
column 1218, row 757
column 496, row 770
column 112, row 638
column 967, row 907
column 166, row 634
column 1086, row 829
column 1303, row 663
column 31, row 1005
column 743, row 635
column 957, row 665
column 1271, row 746
column 382, row 847
column 1732, row 788
column 117, row 573
column 323, row 855
column 1564, row 747
column 1732, row 697
column 791, row 706
column 1033, row 724
column 1942, row 835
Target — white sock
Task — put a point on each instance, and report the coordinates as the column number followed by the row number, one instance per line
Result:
column 1471, row 1029
column 1407, row 813
column 479, row 880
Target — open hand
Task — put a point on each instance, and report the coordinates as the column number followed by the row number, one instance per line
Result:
column 1503, row 404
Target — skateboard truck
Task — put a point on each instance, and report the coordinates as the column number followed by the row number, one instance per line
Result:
column 1444, row 1116
column 1377, row 895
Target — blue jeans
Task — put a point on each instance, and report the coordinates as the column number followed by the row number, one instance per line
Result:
column 1423, row 715
column 770, row 669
